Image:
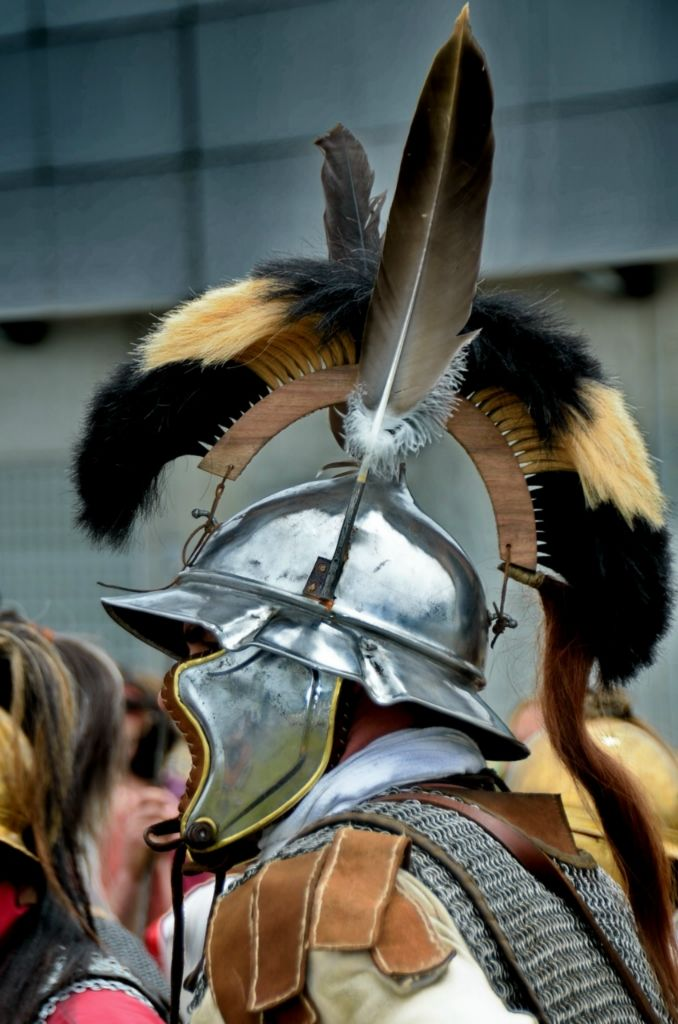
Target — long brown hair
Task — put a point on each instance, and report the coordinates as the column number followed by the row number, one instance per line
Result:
column 97, row 735
column 629, row 823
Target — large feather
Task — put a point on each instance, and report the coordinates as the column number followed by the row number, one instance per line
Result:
column 351, row 211
column 426, row 280
column 429, row 268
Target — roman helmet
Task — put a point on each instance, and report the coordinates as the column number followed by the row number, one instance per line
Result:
column 343, row 582
column 408, row 621
column 650, row 761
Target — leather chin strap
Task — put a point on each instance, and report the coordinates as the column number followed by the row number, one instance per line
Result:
column 169, row 827
column 348, row 698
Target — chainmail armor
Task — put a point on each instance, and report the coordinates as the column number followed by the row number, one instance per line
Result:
column 103, row 973
column 567, row 969
column 130, row 952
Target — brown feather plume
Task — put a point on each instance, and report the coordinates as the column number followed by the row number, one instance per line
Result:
column 429, row 268
column 427, row 277
column 351, row 211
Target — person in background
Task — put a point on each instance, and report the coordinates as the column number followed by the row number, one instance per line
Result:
column 52, row 965
column 149, row 736
column 100, row 755
column 526, row 719
column 136, row 881
column 652, row 763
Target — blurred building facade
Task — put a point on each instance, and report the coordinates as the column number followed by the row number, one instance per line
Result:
column 151, row 148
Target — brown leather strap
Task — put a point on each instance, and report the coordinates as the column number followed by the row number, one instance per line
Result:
column 540, row 815
column 546, row 871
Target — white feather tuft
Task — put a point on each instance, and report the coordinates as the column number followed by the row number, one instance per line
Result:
column 406, row 435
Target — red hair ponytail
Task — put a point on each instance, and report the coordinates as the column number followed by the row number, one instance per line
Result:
column 627, row 819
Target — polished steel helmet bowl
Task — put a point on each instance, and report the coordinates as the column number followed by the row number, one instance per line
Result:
column 409, row 620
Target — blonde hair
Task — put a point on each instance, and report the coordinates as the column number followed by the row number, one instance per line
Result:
column 37, row 692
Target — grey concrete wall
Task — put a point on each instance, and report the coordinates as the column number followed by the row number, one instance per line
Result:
column 48, row 570
column 148, row 148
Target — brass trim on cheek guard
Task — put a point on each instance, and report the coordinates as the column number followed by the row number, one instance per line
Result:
column 189, row 728
column 204, row 833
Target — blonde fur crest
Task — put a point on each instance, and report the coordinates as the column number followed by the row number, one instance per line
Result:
column 611, row 458
column 216, row 327
column 605, row 449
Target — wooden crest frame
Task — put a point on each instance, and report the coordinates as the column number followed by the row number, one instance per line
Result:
column 484, row 442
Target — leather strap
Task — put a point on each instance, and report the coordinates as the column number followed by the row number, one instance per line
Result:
column 540, row 815
column 547, row 872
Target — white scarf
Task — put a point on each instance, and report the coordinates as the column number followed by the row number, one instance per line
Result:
column 409, row 755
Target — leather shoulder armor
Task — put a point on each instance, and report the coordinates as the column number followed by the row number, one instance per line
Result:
column 343, row 896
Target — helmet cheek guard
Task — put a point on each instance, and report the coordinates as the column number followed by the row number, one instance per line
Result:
column 260, row 729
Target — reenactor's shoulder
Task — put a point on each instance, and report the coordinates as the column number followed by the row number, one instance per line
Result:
column 305, row 914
